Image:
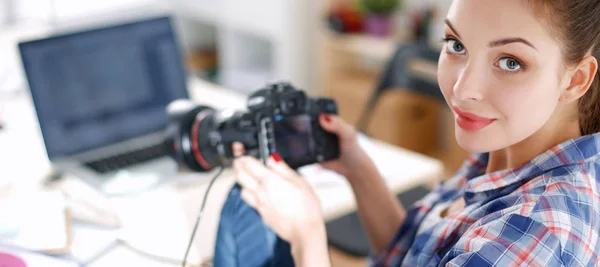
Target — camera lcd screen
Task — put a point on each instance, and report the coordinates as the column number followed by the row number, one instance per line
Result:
column 293, row 138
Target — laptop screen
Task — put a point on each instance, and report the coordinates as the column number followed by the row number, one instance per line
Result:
column 103, row 86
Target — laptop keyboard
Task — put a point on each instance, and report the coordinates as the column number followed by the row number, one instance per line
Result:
column 127, row 159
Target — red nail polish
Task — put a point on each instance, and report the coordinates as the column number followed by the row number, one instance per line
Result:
column 275, row 156
column 327, row 117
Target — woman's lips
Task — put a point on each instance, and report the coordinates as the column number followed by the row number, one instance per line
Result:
column 470, row 121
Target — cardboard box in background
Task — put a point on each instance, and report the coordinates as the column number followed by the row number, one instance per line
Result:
column 407, row 120
column 351, row 91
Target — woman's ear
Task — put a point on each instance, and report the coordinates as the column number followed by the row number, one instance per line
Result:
column 581, row 77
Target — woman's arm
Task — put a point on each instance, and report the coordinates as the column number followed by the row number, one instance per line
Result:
column 312, row 249
column 381, row 214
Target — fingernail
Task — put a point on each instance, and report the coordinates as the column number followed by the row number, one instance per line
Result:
column 327, row 117
column 275, row 157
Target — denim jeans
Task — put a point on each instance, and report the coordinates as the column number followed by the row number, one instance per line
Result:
column 244, row 240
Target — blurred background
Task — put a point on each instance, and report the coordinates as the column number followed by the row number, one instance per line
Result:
column 376, row 58
column 337, row 48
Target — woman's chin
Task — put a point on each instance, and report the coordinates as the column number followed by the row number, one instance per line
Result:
column 475, row 142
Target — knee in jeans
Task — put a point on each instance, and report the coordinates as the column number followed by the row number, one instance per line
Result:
column 233, row 204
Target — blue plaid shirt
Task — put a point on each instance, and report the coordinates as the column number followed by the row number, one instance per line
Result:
column 543, row 213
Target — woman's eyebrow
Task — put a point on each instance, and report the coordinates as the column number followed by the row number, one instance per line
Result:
column 452, row 27
column 510, row 41
column 496, row 43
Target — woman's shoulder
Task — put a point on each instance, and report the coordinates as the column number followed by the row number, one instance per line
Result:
column 548, row 208
column 579, row 181
column 570, row 187
column 565, row 201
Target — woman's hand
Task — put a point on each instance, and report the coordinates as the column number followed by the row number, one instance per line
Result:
column 352, row 155
column 285, row 201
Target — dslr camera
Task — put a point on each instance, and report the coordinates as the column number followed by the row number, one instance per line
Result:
column 279, row 118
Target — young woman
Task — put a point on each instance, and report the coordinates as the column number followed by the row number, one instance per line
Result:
column 521, row 78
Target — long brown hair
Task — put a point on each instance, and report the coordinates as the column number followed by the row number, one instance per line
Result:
column 576, row 24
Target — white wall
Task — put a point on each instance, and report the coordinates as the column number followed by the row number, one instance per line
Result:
column 4, row 9
column 51, row 11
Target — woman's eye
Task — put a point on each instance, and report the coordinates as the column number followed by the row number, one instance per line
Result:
column 455, row 47
column 509, row 64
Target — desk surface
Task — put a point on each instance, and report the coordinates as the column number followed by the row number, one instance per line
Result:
column 401, row 169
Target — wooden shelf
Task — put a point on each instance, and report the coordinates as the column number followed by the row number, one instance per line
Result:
column 378, row 50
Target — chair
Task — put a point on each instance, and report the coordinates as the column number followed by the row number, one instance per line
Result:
column 398, row 75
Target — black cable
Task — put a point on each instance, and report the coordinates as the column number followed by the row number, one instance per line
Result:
column 187, row 251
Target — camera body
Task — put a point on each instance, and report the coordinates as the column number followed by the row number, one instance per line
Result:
column 288, row 123
column 279, row 118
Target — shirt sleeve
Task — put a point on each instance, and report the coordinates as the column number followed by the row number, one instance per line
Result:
column 511, row 240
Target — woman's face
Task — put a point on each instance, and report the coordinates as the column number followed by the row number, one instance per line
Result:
column 499, row 72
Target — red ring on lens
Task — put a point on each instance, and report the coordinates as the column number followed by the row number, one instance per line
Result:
column 195, row 149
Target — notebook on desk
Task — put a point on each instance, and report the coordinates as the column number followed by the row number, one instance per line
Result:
column 35, row 221
column 100, row 97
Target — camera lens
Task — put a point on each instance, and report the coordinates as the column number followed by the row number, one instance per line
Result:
column 201, row 139
column 187, row 138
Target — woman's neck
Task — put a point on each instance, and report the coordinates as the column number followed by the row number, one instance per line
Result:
column 536, row 144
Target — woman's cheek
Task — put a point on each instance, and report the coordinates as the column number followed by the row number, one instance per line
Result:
column 447, row 77
column 525, row 107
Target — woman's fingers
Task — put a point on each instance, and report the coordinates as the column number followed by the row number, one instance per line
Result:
column 255, row 200
column 252, row 191
column 249, row 198
column 243, row 177
column 336, row 125
column 257, row 179
column 327, row 122
column 255, row 169
column 252, row 174
column 280, row 168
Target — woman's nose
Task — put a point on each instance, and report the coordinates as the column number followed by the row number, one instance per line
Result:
column 471, row 84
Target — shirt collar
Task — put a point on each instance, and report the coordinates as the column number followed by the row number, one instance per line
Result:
column 567, row 153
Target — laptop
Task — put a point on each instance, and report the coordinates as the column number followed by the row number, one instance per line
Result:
column 100, row 96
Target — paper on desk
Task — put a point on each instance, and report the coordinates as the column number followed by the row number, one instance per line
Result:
column 155, row 223
column 90, row 242
column 41, row 221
